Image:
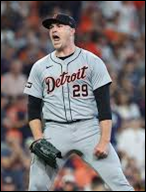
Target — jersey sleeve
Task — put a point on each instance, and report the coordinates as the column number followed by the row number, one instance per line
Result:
column 34, row 84
column 100, row 74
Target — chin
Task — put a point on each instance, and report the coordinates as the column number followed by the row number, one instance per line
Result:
column 58, row 47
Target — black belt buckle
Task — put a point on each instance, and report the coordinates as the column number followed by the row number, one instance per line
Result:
column 75, row 121
column 67, row 122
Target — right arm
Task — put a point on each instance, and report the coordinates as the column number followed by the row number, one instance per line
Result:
column 34, row 115
column 36, row 129
column 34, row 90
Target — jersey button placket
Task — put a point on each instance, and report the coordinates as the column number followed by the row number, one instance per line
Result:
column 66, row 96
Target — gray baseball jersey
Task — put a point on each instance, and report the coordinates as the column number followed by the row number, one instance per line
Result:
column 66, row 86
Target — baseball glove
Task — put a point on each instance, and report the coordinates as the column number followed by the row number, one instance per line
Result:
column 46, row 152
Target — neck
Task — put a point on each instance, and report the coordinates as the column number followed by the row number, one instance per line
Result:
column 66, row 51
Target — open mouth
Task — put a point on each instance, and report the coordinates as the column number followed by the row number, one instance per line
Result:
column 56, row 38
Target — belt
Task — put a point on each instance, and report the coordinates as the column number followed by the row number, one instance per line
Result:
column 66, row 122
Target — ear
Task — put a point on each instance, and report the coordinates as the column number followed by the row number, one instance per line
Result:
column 72, row 31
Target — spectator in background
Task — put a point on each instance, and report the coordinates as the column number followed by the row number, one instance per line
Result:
column 117, row 122
column 128, row 22
column 132, row 142
column 125, row 108
column 140, row 6
column 66, row 182
column 15, row 116
column 14, row 81
column 97, row 184
column 141, row 97
column 9, row 15
column 13, row 158
column 69, row 183
column 133, row 173
column 131, row 73
column 110, row 8
column 19, row 119
column 7, row 56
column 8, row 184
column 4, row 101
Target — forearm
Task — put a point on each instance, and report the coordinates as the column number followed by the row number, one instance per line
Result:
column 34, row 115
column 106, row 129
column 102, row 97
column 102, row 148
column 36, row 128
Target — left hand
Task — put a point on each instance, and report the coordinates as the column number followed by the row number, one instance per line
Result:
column 102, row 150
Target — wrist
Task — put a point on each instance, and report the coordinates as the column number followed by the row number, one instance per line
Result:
column 38, row 137
column 104, row 140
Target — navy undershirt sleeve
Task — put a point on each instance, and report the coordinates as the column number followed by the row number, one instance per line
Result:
column 102, row 96
column 34, row 108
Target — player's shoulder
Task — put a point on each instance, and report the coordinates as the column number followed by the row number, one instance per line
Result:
column 41, row 63
column 91, row 57
column 88, row 53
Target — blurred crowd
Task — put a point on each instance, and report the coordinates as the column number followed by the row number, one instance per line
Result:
column 114, row 31
column 78, row 176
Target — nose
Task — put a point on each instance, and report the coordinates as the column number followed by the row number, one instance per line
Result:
column 54, row 29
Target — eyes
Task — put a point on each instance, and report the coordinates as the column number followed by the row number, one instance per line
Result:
column 58, row 25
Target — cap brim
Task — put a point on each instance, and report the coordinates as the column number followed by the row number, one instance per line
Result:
column 46, row 23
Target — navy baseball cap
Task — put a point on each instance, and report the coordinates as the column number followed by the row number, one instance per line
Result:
column 59, row 18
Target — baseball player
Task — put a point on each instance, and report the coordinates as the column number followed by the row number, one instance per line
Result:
column 69, row 90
